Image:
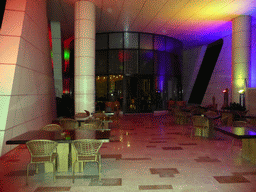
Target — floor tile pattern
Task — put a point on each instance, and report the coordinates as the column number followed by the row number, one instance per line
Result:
column 172, row 148
column 151, row 187
column 135, row 160
column 44, row 189
column 206, row 159
column 164, row 172
column 106, row 182
column 231, row 179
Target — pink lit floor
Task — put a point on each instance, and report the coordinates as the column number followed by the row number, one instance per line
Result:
column 147, row 152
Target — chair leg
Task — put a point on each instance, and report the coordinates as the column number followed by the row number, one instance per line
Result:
column 27, row 174
column 54, row 172
column 36, row 168
column 99, row 167
column 191, row 135
column 232, row 144
column 73, row 170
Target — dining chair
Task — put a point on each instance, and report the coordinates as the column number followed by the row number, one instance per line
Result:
column 42, row 151
column 69, row 124
column 87, row 150
column 92, row 125
column 211, row 114
column 52, row 127
column 200, row 122
column 181, row 117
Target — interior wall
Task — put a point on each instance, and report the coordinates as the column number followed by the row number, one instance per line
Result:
column 253, row 57
column 221, row 76
column 192, row 60
column 27, row 96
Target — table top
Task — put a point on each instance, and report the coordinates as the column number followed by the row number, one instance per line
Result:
column 60, row 136
column 248, row 132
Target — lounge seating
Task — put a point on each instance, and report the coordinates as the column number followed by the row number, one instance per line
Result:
column 42, row 151
column 87, row 150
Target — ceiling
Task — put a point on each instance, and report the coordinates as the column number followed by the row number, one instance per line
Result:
column 194, row 22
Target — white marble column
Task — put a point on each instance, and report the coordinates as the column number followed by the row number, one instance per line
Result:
column 241, row 54
column 85, row 16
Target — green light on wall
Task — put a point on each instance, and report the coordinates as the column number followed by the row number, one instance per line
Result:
column 51, row 54
column 66, row 54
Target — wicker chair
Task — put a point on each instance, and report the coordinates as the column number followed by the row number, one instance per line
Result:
column 199, row 122
column 211, row 114
column 52, row 127
column 87, row 150
column 181, row 117
column 93, row 124
column 69, row 124
column 41, row 151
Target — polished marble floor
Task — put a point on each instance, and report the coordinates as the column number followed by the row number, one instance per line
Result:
column 147, row 152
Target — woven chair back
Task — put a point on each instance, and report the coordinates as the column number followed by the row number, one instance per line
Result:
column 200, row 121
column 41, row 147
column 210, row 114
column 88, row 126
column 87, row 146
column 52, row 127
column 69, row 124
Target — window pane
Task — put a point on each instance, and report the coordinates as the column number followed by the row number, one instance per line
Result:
column 146, row 41
column 115, row 87
column 131, row 61
column 101, row 41
column 116, row 40
column 170, row 45
column 101, row 63
column 159, row 43
column 160, row 66
column 131, row 40
column 101, row 88
column 146, row 62
column 116, row 61
column 169, row 64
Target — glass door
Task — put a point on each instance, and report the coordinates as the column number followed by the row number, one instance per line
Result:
column 139, row 94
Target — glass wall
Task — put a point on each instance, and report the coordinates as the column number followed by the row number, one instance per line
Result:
column 138, row 68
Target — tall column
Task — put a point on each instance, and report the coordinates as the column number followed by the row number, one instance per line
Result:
column 85, row 14
column 241, row 54
column 57, row 59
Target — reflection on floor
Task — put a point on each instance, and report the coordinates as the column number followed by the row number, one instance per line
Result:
column 146, row 153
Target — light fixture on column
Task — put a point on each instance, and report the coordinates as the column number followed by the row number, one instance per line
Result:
column 225, row 104
column 242, row 97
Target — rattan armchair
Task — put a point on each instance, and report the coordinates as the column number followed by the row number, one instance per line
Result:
column 69, row 124
column 52, row 127
column 87, row 150
column 200, row 122
column 42, row 151
column 92, row 125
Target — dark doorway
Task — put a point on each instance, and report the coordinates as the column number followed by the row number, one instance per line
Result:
column 139, row 94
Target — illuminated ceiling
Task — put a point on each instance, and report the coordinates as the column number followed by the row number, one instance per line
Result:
column 194, row 22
